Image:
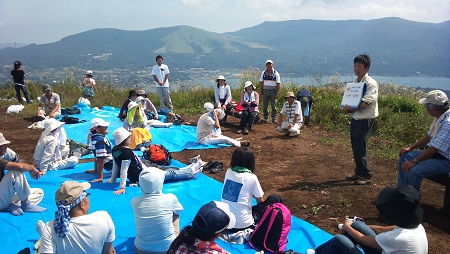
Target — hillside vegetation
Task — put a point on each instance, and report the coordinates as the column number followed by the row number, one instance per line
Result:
column 402, row 120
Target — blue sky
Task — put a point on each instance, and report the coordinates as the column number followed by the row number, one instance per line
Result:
column 45, row 21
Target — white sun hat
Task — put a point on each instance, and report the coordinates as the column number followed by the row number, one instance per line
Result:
column 249, row 83
column 120, row 135
column 208, row 106
column 50, row 125
column 220, row 77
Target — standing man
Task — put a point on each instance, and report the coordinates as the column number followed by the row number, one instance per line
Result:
column 269, row 87
column 50, row 102
column 160, row 74
column 413, row 166
column 293, row 110
column 74, row 230
column 362, row 120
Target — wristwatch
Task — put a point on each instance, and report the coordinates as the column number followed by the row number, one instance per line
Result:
column 414, row 160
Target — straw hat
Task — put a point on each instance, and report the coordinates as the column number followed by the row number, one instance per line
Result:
column 50, row 125
column 290, row 94
column 120, row 135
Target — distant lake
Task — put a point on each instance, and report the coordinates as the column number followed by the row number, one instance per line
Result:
column 422, row 82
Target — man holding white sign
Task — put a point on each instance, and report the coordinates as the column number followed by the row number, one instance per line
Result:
column 362, row 120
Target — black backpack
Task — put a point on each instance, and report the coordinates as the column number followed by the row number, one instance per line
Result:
column 70, row 111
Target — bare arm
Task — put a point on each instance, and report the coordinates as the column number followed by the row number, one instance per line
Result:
column 423, row 141
column 359, row 237
column 381, row 229
column 23, row 167
column 108, row 248
column 259, row 200
column 99, row 168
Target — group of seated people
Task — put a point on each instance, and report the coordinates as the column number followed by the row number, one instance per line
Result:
column 401, row 205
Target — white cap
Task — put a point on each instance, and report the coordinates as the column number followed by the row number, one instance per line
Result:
column 269, row 61
column 98, row 122
column 208, row 106
column 89, row 73
column 435, row 97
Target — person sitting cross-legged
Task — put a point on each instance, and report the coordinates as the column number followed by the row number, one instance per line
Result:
column 293, row 110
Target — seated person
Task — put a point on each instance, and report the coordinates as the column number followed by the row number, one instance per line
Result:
column 101, row 148
column 128, row 165
column 293, row 110
column 148, row 106
column 208, row 128
column 14, row 185
column 222, row 95
column 156, row 214
column 50, row 102
column 413, row 166
column 240, row 186
column 132, row 95
column 74, row 230
column 210, row 221
column 52, row 152
column 135, row 117
column 401, row 207
column 249, row 102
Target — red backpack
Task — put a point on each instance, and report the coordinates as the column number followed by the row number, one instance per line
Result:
column 157, row 154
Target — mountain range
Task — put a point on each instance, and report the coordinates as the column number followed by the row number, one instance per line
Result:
column 397, row 47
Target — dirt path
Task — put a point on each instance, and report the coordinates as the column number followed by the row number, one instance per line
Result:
column 307, row 172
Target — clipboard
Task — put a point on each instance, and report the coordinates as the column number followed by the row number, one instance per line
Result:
column 353, row 94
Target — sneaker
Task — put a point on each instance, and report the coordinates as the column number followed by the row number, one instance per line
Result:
column 265, row 119
column 194, row 159
column 245, row 132
column 353, row 177
column 216, row 168
column 363, row 181
column 245, row 143
column 239, row 132
column 274, row 121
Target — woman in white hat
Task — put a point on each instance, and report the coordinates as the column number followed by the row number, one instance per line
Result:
column 135, row 117
column 51, row 151
column 129, row 166
column 249, row 102
column 89, row 85
column 147, row 105
column 222, row 95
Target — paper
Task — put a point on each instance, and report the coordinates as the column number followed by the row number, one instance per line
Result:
column 353, row 94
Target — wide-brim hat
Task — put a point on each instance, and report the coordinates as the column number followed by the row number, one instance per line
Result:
column 70, row 191
column 98, row 122
column 50, row 125
column 3, row 140
column 131, row 105
column 120, row 135
column 213, row 218
column 141, row 92
column 290, row 94
column 208, row 106
column 139, row 100
column 400, row 206
column 249, row 83
column 435, row 97
column 220, row 77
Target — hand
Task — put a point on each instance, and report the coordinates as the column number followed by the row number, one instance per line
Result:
column 99, row 180
column 35, row 174
column 119, row 191
column 290, row 126
column 110, row 181
column 347, row 224
column 345, row 109
column 276, row 95
column 156, row 117
column 407, row 165
column 224, row 106
column 404, row 150
column 42, row 172
column 51, row 115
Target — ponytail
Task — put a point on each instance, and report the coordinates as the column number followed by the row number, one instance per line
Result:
column 186, row 236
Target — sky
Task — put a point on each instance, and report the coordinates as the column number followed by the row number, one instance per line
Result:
column 46, row 21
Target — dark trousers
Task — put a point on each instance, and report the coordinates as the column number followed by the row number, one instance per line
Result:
column 247, row 119
column 18, row 88
column 359, row 134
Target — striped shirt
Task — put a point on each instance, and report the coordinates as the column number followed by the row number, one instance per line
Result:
column 101, row 146
column 441, row 141
column 291, row 110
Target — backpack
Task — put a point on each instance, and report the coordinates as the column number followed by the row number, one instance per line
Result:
column 157, row 154
column 176, row 119
column 272, row 230
column 70, row 111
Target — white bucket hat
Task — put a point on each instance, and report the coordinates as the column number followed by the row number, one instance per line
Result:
column 120, row 135
column 50, row 125
column 89, row 73
column 249, row 83
column 220, row 77
column 132, row 104
column 98, row 122
column 208, row 106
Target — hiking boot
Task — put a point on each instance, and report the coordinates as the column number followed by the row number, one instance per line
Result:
column 265, row 119
column 274, row 121
column 353, row 177
column 239, row 132
column 363, row 181
column 245, row 143
column 245, row 132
